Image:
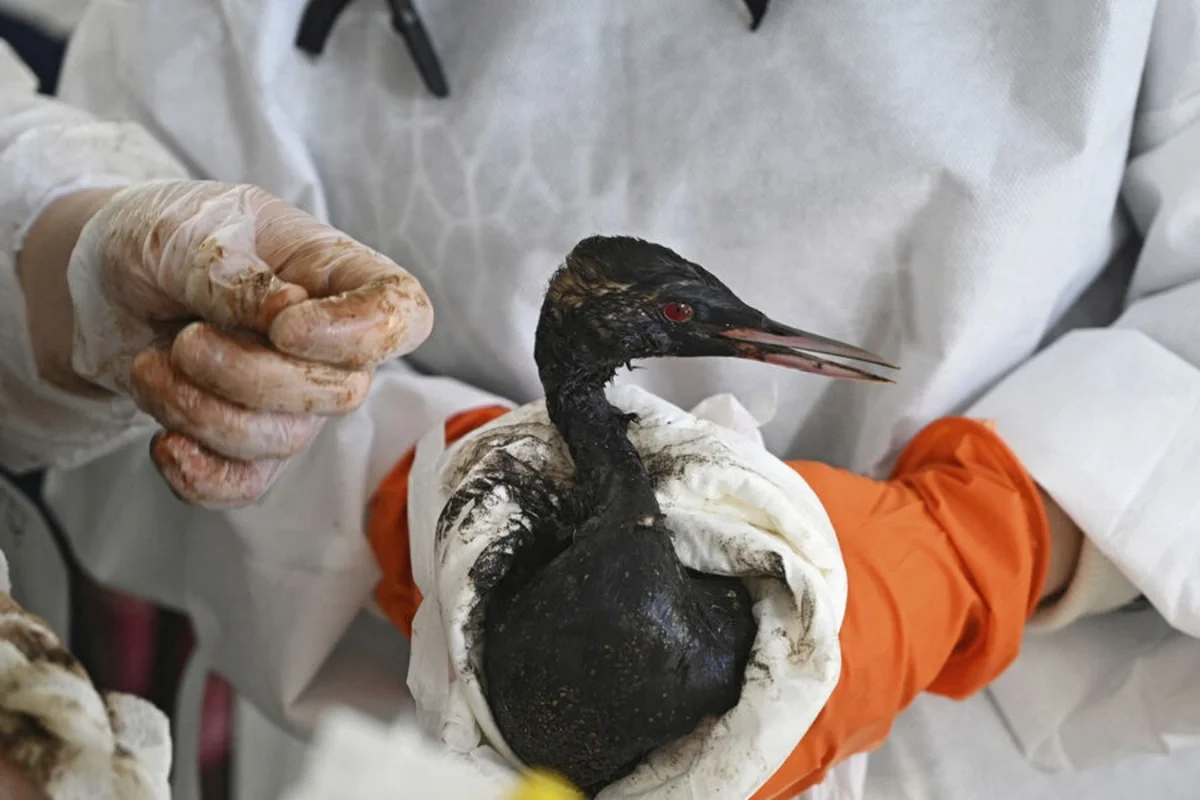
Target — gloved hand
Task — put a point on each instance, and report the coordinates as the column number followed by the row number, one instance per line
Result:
column 237, row 321
column 945, row 562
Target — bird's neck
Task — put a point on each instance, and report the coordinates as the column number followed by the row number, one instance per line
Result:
column 609, row 474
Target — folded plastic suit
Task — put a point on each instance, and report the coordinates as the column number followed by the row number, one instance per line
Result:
column 734, row 509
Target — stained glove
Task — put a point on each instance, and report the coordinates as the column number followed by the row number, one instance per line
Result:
column 945, row 563
column 237, row 321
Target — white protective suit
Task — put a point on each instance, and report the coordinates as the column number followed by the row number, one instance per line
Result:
column 1000, row 196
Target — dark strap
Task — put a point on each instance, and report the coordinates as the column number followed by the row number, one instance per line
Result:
column 407, row 23
column 317, row 23
column 758, row 10
column 321, row 15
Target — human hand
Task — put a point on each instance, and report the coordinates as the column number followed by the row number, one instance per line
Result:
column 237, row 321
column 945, row 561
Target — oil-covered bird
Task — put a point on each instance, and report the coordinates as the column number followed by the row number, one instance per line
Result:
column 599, row 645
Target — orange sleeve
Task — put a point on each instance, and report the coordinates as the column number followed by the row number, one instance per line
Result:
column 945, row 563
column 387, row 525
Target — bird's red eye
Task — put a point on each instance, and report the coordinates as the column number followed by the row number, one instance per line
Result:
column 677, row 312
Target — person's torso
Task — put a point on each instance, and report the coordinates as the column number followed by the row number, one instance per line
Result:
column 937, row 182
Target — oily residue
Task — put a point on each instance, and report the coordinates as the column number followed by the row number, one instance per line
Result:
column 672, row 461
column 755, row 563
column 519, row 477
column 800, row 649
column 512, row 466
column 37, row 644
column 538, row 442
column 28, row 743
column 393, row 311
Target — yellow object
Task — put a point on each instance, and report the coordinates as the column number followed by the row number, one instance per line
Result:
column 539, row 785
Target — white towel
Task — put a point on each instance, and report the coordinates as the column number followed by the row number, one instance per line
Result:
column 94, row 747
column 732, row 506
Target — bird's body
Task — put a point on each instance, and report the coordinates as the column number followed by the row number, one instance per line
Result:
column 600, row 646
column 615, row 646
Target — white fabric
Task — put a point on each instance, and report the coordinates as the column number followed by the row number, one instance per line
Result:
column 356, row 758
column 732, row 504
column 1141, row 680
column 945, row 750
column 277, row 759
column 942, row 183
column 95, row 747
column 1097, row 586
column 845, row 781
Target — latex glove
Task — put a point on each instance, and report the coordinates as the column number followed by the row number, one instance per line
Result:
column 238, row 322
column 945, row 561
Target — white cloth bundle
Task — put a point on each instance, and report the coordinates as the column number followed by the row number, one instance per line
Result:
column 83, row 746
column 358, row 758
column 733, row 508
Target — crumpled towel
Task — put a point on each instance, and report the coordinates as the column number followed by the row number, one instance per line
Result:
column 74, row 743
column 734, row 509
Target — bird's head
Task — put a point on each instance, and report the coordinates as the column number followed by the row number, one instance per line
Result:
column 617, row 299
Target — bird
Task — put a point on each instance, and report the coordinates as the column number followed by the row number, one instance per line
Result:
column 600, row 646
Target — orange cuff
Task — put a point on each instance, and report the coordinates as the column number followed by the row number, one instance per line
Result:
column 387, row 525
column 945, row 563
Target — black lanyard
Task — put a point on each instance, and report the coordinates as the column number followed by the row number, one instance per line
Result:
column 320, row 16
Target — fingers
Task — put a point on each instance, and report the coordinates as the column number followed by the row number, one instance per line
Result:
column 227, row 429
column 226, row 282
column 189, row 247
column 241, row 258
column 234, row 409
column 203, row 478
column 366, row 308
column 247, row 371
column 235, row 288
column 389, row 317
column 236, row 256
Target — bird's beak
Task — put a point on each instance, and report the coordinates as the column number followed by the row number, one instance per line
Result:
column 775, row 343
